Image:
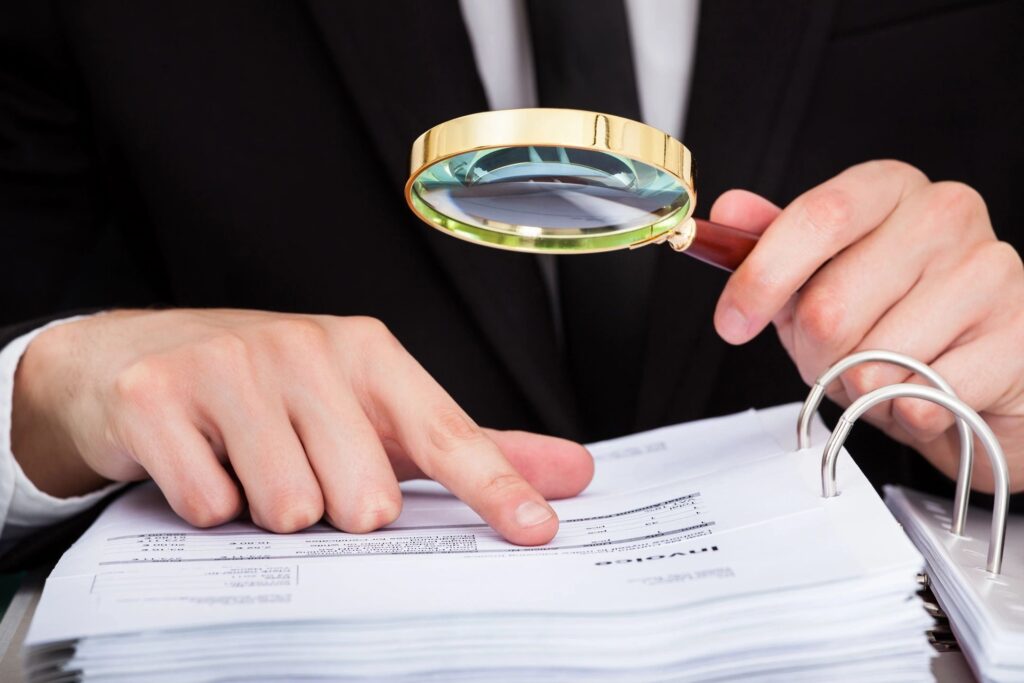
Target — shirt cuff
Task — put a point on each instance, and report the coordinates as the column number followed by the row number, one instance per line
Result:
column 23, row 507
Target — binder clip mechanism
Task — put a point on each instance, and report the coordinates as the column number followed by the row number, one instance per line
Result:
column 969, row 424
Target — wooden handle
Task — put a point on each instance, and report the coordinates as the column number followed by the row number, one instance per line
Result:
column 720, row 245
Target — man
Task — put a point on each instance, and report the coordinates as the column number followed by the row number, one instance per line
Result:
column 240, row 166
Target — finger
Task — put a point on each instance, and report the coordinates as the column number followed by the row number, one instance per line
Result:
column 991, row 388
column 451, row 449
column 744, row 210
column 355, row 475
column 840, row 305
column 967, row 296
column 181, row 462
column 268, row 458
column 808, row 232
column 557, row 468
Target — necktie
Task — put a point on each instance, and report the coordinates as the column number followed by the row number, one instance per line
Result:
column 583, row 60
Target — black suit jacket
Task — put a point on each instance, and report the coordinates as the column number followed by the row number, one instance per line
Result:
column 252, row 154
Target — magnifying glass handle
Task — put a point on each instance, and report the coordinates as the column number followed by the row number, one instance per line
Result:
column 719, row 245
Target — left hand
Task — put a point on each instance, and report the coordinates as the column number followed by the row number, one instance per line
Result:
column 879, row 257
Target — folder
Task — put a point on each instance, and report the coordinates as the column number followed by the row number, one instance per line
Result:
column 985, row 610
column 979, row 586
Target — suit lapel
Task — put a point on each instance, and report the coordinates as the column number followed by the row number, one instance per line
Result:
column 409, row 66
column 754, row 68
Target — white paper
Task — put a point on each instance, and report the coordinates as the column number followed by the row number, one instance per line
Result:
column 687, row 540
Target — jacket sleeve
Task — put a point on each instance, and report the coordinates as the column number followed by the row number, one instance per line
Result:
column 51, row 207
column 50, row 203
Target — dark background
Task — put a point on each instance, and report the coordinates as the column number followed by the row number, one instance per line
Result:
column 252, row 155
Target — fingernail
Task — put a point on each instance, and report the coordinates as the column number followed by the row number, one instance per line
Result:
column 532, row 514
column 733, row 324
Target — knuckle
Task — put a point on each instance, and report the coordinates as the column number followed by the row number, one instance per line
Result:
column 145, row 384
column 203, row 511
column 287, row 511
column 499, row 485
column 224, row 353
column 821, row 318
column 951, row 199
column 762, row 279
column 828, row 210
column 370, row 335
column 864, row 379
column 920, row 416
column 1002, row 259
column 889, row 168
column 302, row 345
column 375, row 511
column 451, row 429
column 372, row 330
column 298, row 334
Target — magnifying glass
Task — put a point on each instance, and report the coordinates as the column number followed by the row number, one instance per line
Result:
column 563, row 181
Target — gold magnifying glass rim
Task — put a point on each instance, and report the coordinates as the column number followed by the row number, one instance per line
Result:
column 542, row 127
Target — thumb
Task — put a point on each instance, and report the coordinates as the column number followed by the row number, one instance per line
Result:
column 744, row 210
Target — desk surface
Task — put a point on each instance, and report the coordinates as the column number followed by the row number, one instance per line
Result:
column 14, row 625
column 947, row 667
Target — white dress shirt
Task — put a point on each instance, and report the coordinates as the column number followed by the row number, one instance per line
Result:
column 663, row 37
column 23, row 507
column 662, row 34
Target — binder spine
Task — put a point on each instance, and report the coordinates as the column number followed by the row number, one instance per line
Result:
column 968, row 421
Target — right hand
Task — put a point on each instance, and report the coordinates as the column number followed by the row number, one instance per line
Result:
column 310, row 416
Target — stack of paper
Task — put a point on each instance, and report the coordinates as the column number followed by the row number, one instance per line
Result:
column 985, row 611
column 700, row 552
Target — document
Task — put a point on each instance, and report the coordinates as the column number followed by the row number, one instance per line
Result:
column 681, row 554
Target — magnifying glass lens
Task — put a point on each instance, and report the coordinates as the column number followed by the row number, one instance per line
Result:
column 563, row 181
column 549, row 191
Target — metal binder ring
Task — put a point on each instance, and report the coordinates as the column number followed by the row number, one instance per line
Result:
column 1000, row 473
column 963, row 477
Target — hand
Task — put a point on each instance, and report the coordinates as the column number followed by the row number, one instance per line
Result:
column 314, row 415
column 880, row 258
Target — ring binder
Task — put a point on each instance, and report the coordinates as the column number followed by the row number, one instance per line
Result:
column 994, row 451
column 963, row 479
column 977, row 609
column 984, row 611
